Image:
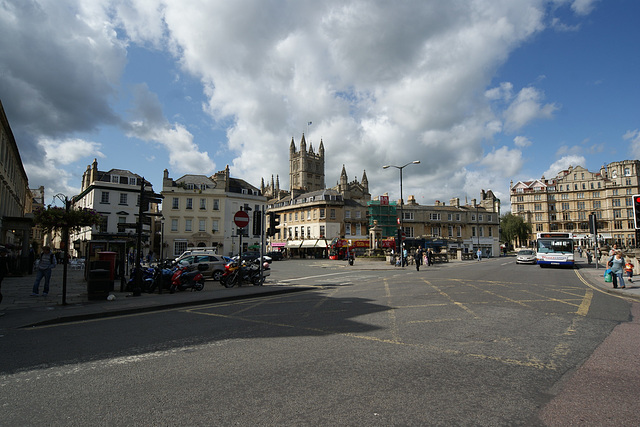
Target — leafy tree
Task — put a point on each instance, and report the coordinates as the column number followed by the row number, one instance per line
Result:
column 513, row 229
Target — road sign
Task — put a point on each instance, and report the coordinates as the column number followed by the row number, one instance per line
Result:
column 241, row 218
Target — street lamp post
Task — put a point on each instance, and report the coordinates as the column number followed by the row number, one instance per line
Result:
column 401, row 203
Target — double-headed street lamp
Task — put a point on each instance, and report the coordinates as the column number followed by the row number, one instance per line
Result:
column 401, row 203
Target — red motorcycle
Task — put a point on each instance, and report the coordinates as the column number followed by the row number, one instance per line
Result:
column 184, row 279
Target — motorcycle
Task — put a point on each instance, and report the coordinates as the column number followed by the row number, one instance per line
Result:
column 237, row 273
column 184, row 279
column 148, row 281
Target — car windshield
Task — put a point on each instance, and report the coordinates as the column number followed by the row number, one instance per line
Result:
column 525, row 253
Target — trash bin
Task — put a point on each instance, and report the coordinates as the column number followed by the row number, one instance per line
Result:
column 99, row 281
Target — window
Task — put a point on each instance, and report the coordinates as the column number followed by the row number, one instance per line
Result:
column 322, row 231
column 615, row 192
column 214, row 225
column 537, row 207
column 104, row 224
column 203, row 204
column 435, row 231
column 580, row 205
column 347, row 214
column 175, row 204
column 295, row 215
column 189, row 203
column 347, row 229
column 539, row 217
column 174, row 225
column 490, row 231
column 459, row 231
column 309, row 215
column 308, row 231
column 322, row 214
column 179, row 246
column 216, row 204
column 123, row 198
column 433, row 216
column 202, row 225
column 565, row 206
column 133, row 181
column 115, row 179
column 597, row 204
column 615, row 202
column 450, row 230
column 358, row 214
column 407, row 215
column 187, row 225
column 481, row 231
column 617, row 213
column 580, row 195
column 457, row 217
column 449, row 217
column 565, row 196
column 104, row 197
column 302, row 232
column 332, row 214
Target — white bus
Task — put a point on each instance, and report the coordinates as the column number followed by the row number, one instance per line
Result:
column 555, row 249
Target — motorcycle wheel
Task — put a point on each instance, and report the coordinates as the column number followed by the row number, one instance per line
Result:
column 198, row 286
column 256, row 281
column 228, row 282
column 172, row 289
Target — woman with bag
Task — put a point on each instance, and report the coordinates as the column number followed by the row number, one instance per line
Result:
column 616, row 264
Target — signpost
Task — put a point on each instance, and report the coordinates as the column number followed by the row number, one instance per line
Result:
column 241, row 218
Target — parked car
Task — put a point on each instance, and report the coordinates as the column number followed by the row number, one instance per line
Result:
column 208, row 265
column 526, row 256
column 275, row 255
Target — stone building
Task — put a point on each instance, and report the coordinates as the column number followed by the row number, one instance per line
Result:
column 199, row 211
column 564, row 203
column 312, row 215
column 15, row 197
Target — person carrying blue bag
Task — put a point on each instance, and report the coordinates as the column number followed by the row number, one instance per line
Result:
column 616, row 264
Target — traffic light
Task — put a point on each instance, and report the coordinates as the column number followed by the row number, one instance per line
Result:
column 257, row 223
column 274, row 221
column 636, row 211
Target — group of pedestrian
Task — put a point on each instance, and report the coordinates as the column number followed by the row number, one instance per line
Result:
column 423, row 257
column 619, row 267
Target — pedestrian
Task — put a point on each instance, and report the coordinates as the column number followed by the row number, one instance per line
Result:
column 429, row 257
column 616, row 264
column 418, row 258
column 628, row 268
column 404, row 257
column 47, row 262
column 589, row 255
column 613, row 251
column 4, row 266
column 580, row 251
column 479, row 254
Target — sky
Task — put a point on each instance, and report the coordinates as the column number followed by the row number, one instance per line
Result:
column 482, row 92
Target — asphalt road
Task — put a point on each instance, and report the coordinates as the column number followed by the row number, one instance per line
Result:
column 476, row 343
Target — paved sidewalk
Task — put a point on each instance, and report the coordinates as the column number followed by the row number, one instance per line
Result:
column 19, row 309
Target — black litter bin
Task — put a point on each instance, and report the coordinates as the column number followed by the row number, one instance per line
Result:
column 99, row 282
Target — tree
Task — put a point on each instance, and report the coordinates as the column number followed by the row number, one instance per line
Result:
column 514, row 230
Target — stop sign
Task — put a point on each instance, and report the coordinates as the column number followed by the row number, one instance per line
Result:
column 241, row 218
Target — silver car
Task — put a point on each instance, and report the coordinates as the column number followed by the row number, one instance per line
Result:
column 526, row 256
column 208, row 265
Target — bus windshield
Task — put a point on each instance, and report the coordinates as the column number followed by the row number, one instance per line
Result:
column 555, row 245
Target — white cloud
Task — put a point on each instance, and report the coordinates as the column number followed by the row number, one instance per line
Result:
column 526, row 107
column 150, row 124
column 522, row 141
column 562, row 164
column 633, row 136
column 503, row 161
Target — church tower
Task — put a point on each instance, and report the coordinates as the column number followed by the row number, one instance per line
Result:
column 306, row 168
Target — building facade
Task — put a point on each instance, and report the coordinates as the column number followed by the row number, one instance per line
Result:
column 115, row 195
column 15, row 197
column 452, row 227
column 565, row 202
column 310, row 215
column 199, row 211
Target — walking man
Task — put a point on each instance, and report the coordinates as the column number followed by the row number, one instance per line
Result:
column 479, row 254
column 418, row 258
column 46, row 264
